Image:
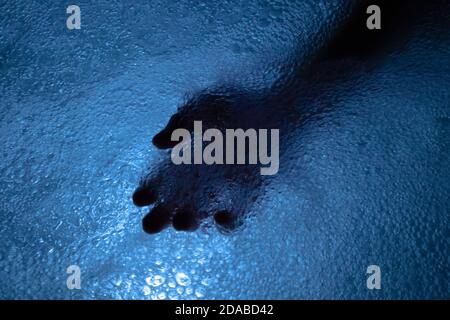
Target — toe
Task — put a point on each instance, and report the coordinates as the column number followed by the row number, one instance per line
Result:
column 144, row 197
column 156, row 220
column 163, row 140
column 226, row 221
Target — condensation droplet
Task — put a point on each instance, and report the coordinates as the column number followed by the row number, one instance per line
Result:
column 147, row 290
column 173, row 295
column 155, row 281
column 182, row 279
column 162, row 296
column 199, row 292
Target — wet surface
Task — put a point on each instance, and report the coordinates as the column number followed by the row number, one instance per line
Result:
column 364, row 165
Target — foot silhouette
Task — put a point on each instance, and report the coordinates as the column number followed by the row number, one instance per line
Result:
column 190, row 196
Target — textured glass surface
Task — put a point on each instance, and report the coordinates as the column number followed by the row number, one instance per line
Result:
column 365, row 181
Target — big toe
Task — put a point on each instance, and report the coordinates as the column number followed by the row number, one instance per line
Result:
column 156, row 220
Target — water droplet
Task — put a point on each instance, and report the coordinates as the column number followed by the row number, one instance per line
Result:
column 155, row 281
column 200, row 292
column 147, row 290
column 162, row 296
column 182, row 279
column 173, row 296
